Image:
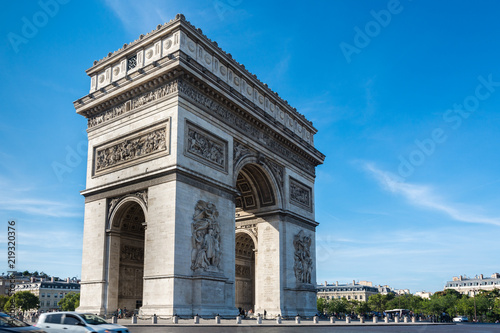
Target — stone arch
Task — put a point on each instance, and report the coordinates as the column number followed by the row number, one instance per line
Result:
column 116, row 211
column 126, row 247
column 245, row 264
column 267, row 188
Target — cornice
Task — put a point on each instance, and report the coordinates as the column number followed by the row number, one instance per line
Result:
column 162, row 44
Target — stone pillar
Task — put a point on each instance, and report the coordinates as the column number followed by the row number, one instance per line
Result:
column 362, row 320
column 375, row 319
column 196, row 319
column 238, row 320
column 396, row 319
column 332, row 320
column 405, row 319
column 297, row 319
column 94, row 272
column 386, row 320
column 175, row 319
column 278, row 319
column 315, row 319
column 347, row 320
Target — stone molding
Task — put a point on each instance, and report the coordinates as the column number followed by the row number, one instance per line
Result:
column 205, row 147
column 162, row 92
column 131, row 149
column 180, row 35
column 300, row 194
column 113, row 202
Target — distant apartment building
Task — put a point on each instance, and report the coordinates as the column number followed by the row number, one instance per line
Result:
column 470, row 286
column 49, row 292
column 424, row 294
column 6, row 280
column 360, row 291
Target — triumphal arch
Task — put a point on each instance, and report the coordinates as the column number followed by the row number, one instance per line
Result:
column 200, row 178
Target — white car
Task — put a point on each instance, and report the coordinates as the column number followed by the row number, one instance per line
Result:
column 73, row 322
column 460, row 319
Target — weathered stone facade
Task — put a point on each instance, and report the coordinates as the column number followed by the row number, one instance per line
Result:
column 200, row 182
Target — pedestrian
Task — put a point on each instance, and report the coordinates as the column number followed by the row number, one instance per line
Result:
column 119, row 313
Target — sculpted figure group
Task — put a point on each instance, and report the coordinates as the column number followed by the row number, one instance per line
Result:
column 303, row 262
column 206, row 253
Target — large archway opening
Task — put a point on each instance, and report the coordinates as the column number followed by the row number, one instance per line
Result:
column 130, row 221
column 257, row 195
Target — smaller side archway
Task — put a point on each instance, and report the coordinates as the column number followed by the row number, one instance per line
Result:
column 126, row 238
column 246, row 256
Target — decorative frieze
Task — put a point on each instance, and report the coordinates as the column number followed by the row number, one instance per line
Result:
column 303, row 263
column 131, row 149
column 243, row 126
column 300, row 194
column 132, row 253
column 243, row 271
column 206, row 254
column 156, row 94
column 205, row 147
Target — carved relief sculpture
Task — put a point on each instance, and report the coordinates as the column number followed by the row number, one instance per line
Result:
column 206, row 253
column 303, row 264
column 130, row 149
column 132, row 253
column 205, row 147
column 143, row 99
column 300, row 194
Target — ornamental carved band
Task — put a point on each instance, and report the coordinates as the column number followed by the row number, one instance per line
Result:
column 143, row 99
column 300, row 194
column 205, row 147
column 130, row 149
column 303, row 264
column 206, row 253
column 132, row 253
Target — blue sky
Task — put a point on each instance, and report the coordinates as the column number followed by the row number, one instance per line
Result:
column 405, row 96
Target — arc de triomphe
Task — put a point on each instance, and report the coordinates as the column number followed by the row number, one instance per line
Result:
column 200, row 179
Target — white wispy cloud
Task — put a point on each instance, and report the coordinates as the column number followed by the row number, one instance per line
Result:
column 36, row 206
column 426, row 196
column 23, row 198
column 140, row 17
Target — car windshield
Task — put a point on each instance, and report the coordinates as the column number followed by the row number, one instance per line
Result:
column 92, row 319
column 6, row 321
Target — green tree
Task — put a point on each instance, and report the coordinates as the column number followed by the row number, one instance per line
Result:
column 337, row 306
column 3, row 301
column 23, row 300
column 26, row 273
column 72, row 300
column 378, row 302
